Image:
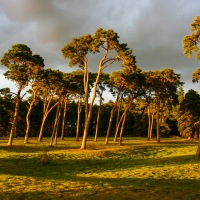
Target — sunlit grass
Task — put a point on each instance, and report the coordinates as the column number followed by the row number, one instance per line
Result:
column 137, row 167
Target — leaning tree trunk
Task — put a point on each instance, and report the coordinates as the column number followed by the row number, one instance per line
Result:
column 14, row 123
column 158, row 121
column 46, row 112
column 98, row 119
column 122, row 127
column 63, row 121
column 111, row 118
column 28, row 123
column 42, row 127
column 151, row 128
column 89, row 115
column 27, row 118
column 124, row 119
column 118, row 115
column 78, row 120
column 86, row 126
column 150, row 121
column 118, row 126
column 57, row 124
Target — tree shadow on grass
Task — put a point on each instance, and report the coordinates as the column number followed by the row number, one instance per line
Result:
column 116, row 189
column 27, row 148
column 61, row 165
column 74, row 169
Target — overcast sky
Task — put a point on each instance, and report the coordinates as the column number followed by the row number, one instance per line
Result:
column 153, row 29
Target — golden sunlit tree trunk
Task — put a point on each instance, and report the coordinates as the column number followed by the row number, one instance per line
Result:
column 111, row 117
column 117, row 122
column 57, row 123
column 14, row 123
column 124, row 118
column 47, row 110
column 89, row 115
column 78, row 120
column 118, row 126
column 159, row 116
column 98, row 119
column 158, row 120
column 63, row 120
column 151, row 113
column 31, row 104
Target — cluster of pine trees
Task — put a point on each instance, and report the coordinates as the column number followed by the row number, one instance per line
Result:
column 147, row 103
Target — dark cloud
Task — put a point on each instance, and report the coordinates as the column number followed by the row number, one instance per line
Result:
column 154, row 29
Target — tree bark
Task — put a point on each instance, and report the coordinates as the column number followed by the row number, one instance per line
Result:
column 63, row 121
column 28, row 117
column 118, row 115
column 88, row 119
column 57, row 123
column 150, row 121
column 46, row 112
column 124, row 118
column 158, row 121
column 111, row 118
column 78, row 120
column 14, row 123
column 122, row 127
column 118, row 126
column 98, row 118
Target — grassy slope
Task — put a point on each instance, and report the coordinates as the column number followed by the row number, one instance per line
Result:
column 135, row 170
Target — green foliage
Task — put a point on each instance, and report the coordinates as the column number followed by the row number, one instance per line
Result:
column 196, row 75
column 21, row 64
column 191, row 103
column 189, row 114
column 190, row 42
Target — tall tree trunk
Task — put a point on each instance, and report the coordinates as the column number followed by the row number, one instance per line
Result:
column 14, row 123
column 124, row 118
column 86, row 125
column 111, row 117
column 63, row 121
column 42, row 127
column 46, row 112
column 78, row 120
column 151, row 113
column 152, row 121
column 118, row 126
column 158, row 120
column 122, row 127
column 88, row 119
column 98, row 118
column 118, row 115
column 57, row 124
column 28, row 117
column 149, row 121
column 28, row 122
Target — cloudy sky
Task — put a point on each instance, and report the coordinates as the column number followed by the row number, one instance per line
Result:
column 153, row 29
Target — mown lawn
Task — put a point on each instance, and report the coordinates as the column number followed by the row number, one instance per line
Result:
column 135, row 170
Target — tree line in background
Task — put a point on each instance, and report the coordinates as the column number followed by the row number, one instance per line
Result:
column 147, row 103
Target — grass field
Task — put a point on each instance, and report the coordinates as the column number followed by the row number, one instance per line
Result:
column 135, row 170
